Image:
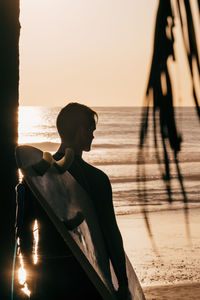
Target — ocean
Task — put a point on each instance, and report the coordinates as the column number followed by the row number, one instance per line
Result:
column 115, row 149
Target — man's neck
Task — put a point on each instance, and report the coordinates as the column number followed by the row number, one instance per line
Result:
column 63, row 146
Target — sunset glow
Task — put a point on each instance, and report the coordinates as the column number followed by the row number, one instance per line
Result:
column 95, row 52
column 137, row 65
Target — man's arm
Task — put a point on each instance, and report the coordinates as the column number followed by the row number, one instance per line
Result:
column 112, row 234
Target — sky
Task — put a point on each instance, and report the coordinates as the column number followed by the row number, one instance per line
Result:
column 96, row 52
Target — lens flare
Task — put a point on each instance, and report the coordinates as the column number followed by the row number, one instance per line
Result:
column 26, row 290
column 21, row 271
column 22, row 277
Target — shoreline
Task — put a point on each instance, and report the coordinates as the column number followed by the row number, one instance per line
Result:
column 186, row 291
column 167, row 263
column 155, row 208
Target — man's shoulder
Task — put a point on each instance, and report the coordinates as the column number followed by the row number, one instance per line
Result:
column 94, row 171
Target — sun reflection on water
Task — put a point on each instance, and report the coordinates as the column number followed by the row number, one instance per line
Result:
column 29, row 118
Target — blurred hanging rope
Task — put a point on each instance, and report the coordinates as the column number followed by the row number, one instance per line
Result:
column 159, row 96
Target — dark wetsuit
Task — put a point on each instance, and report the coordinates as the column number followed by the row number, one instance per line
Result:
column 58, row 275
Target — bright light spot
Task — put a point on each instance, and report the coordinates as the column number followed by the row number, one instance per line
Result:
column 20, row 176
column 18, row 242
column 29, row 118
column 21, row 272
column 35, row 242
column 22, row 277
column 26, row 290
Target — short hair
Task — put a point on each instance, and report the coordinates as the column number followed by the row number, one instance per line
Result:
column 72, row 116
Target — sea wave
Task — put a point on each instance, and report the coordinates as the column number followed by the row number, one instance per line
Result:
column 191, row 177
column 146, row 208
column 51, row 146
column 44, row 146
column 125, row 154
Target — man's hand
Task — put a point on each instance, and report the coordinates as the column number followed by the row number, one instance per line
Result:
column 123, row 293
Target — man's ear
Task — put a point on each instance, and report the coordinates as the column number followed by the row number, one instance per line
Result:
column 80, row 133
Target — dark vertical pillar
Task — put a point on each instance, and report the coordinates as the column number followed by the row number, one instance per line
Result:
column 9, row 79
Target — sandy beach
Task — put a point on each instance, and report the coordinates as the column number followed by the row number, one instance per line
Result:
column 167, row 264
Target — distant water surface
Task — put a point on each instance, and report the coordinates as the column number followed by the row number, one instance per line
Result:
column 114, row 151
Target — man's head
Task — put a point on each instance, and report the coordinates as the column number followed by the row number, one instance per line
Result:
column 76, row 124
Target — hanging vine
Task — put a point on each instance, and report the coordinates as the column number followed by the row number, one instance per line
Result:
column 159, row 97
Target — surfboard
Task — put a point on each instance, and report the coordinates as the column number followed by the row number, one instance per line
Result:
column 72, row 212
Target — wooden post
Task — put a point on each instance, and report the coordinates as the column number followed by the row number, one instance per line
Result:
column 9, row 79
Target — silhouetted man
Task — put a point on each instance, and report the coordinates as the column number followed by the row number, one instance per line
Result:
column 76, row 124
column 58, row 274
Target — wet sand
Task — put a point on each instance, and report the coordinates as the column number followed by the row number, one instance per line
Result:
column 167, row 264
column 190, row 291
